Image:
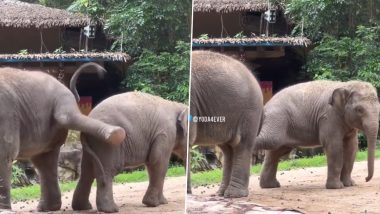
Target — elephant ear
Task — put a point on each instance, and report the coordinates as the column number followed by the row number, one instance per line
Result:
column 182, row 121
column 339, row 97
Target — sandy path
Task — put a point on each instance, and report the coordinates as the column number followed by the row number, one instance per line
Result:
column 127, row 196
column 304, row 189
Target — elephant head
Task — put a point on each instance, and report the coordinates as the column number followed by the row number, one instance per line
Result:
column 180, row 148
column 360, row 106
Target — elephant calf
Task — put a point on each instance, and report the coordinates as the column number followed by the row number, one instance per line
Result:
column 226, row 105
column 320, row 113
column 35, row 115
column 155, row 127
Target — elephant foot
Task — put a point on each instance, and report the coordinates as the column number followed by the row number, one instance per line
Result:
column 264, row 183
column 348, row 182
column 222, row 190
column 115, row 135
column 47, row 206
column 233, row 192
column 334, row 185
column 189, row 191
column 151, row 201
column 81, row 206
column 108, row 208
column 163, row 200
column 4, row 206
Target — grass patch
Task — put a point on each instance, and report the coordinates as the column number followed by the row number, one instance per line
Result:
column 215, row 176
column 33, row 191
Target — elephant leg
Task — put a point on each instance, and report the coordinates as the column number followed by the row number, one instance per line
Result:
column 188, row 171
column 5, row 183
column 46, row 165
column 349, row 153
column 157, row 166
column 154, row 195
column 82, row 191
column 334, row 152
column 240, row 170
column 68, row 115
column 227, row 166
column 192, row 137
column 104, row 194
column 268, row 173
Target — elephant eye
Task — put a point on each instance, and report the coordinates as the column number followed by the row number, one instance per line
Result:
column 359, row 109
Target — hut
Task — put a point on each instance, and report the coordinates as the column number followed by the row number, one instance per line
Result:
column 242, row 29
column 36, row 37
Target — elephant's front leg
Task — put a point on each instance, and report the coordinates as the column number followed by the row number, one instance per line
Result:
column 268, row 173
column 46, row 165
column 227, row 167
column 104, row 194
column 350, row 148
column 334, row 152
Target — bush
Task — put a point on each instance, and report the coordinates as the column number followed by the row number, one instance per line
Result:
column 164, row 74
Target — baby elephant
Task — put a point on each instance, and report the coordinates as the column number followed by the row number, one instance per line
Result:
column 155, row 127
column 320, row 113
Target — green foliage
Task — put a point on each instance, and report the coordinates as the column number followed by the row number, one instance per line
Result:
column 23, row 52
column 348, row 58
column 196, row 158
column 144, row 24
column 165, row 74
column 17, row 174
column 155, row 33
column 334, row 17
column 204, row 36
column 240, row 35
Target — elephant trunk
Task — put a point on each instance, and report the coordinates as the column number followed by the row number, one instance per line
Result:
column 371, row 131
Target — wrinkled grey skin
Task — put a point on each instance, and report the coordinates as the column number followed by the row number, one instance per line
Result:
column 35, row 115
column 320, row 113
column 223, row 86
column 155, row 127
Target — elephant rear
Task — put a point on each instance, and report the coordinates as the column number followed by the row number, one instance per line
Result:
column 224, row 87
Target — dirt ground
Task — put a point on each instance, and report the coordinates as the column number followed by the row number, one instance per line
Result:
column 304, row 190
column 127, row 196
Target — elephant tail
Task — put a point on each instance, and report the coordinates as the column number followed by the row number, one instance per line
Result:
column 263, row 140
column 73, row 82
column 98, row 164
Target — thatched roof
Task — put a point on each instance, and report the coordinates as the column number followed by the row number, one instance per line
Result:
column 71, row 57
column 253, row 41
column 19, row 14
column 227, row 6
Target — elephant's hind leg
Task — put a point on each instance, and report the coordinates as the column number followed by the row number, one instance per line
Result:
column 349, row 152
column 268, row 173
column 157, row 166
column 240, row 169
column 104, row 194
column 227, row 167
column 46, row 165
column 82, row 191
column 5, row 182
